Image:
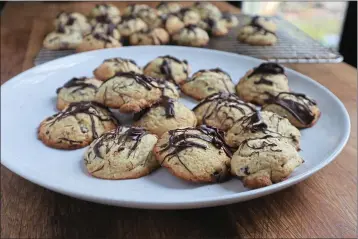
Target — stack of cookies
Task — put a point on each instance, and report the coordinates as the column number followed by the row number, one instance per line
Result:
column 226, row 134
column 139, row 24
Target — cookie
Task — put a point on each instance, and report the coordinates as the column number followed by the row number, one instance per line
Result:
column 149, row 15
column 168, row 68
column 264, row 23
column 73, row 21
column 130, row 92
column 191, row 35
column 207, row 10
column 189, row 16
column 260, row 124
column 299, row 109
column 97, row 41
column 76, row 126
column 168, row 7
column 222, row 110
column 207, row 82
column 62, row 39
column 214, row 27
column 194, row 154
column 156, row 36
column 77, row 90
column 167, row 114
column 256, row 33
column 112, row 66
column 107, row 29
column 103, row 13
column 135, row 9
column 258, row 84
column 131, row 25
column 172, row 23
column 230, row 20
column 123, row 153
column 263, row 161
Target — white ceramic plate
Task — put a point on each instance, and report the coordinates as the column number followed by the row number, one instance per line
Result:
column 30, row 97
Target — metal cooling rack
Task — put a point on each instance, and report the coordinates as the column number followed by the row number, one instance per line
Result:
column 293, row 46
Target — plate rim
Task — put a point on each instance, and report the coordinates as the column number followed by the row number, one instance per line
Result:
column 203, row 202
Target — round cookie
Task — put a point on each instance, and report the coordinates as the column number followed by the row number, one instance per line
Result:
column 73, row 21
column 230, row 20
column 97, row 41
column 172, row 23
column 207, row 10
column 260, row 124
column 263, row 161
column 222, row 110
column 194, row 154
column 191, row 35
column 101, row 10
column 62, row 39
column 135, row 9
column 112, row 66
column 76, row 126
column 123, row 153
column 149, row 15
column 167, row 114
column 130, row 92
column 168, row 7
column 299, row 109
column 107, row 29
column 131, row 25
column 264, row 22
column 258, row 84
column 189, row 16
column 207, row 82
column 257, row 33
column 215, row 27
column 156, row 36
column 169, row 68
column 77, row 90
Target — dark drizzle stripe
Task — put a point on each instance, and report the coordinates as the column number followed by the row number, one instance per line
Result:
column 263, row 81
column 299, row 108
column 120, row 60
column 166, row 102
column 255, row 23
column 77, row 82
column 268, row 68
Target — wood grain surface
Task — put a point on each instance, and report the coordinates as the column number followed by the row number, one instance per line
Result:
column 325, row 205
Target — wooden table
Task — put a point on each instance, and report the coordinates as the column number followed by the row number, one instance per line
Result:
column 325, row 205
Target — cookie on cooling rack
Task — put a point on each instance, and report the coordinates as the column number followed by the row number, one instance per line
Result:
column 230, row 20
column 131, row 25
column 76, row 126
column 299, row 109
column 194, row 154
column 156, row 36
column 215, row 27
column 122, row 153
column 73, row 21
column 168, row 68
column 77, row 90
column 207, row 10
column 95, row 41
column 111, row 66
column 222, row 110
column 189, row 16
column 191, row 35
column 207, row 82
column 105, row 13
column 168, row 7
column 262, row 82
column 260, row 162
column 130, row 92
column 167, row 114
column 261, row 124
column 108, row 29
column 172, row 23
column 62, row 39
column 149, row 15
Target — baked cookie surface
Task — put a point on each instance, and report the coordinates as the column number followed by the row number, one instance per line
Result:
column 207, row 10
column 111, row 66
column 97, row 41
column 73, row 21
column 207, row 82
column 123, row 153
column 261, row 124
column 299, row 109
column 149, row 15
column 222, row 110
column 76, row 126
column 77, row 90
column 130, row 92
column 191, row 35
column 262, row 82
column 172, row 23
column 105, row 10
column 168, row 68
column 263, row 161
column 108, row 29
column 62, row 39
column 167, row 114
column 168, row 7
column 130, row 25
column 194, row 154
column 156, row 36
column 230, row 20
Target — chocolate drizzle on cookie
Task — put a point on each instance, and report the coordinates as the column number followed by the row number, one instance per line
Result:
column 165, row 102
column 165, row 67
column 263, row 81
column 79, row 83
column 182, row 139
column 264, row 144
column 217, row 70
column 102, row 37
column 218, row 101
column 255, row 24
column 88, row 108
column 268, row 68
column 118, row 138
column 120, row 60
column 300, row 108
